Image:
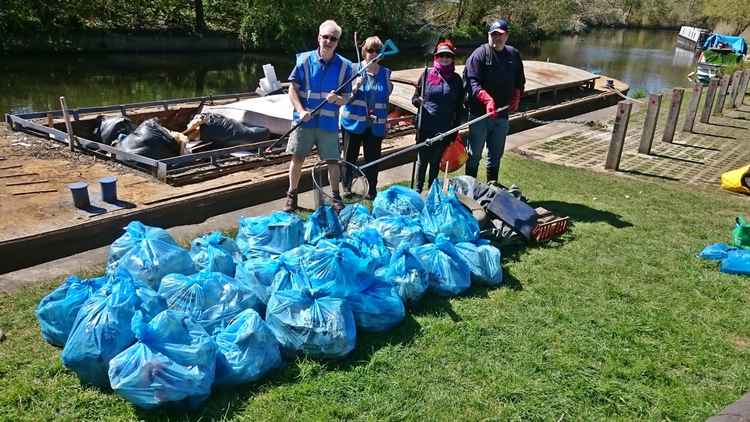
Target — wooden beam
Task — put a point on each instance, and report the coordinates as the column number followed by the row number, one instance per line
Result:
column 692, row 110
column 622, row 118
column 734, row 88
column 709, row 103
column 743, row 88
column 722, row 95
column 674, row 114
column 649, row 126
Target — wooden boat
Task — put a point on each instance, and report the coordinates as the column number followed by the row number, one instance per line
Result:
column 188, row 189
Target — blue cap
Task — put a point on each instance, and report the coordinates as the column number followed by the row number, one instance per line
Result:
column 500, row 25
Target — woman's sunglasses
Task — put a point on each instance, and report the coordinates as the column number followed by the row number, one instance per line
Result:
column 445, row 55
column 330, row 38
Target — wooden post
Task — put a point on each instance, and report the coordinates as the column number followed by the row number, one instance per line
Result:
column 742, row 88
column 693, row 108
column 735, row 88
column 649, row 127
column 723, row 89
column 68, row 126
column 709, row 103
column 618, row 135
column 674, row 114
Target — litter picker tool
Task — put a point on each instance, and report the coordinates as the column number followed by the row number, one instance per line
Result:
column 419, row 121
column 389, row 49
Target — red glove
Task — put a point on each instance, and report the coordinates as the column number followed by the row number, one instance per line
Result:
column 515, row 100
column 489, row 103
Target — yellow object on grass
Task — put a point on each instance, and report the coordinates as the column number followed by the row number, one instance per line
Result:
column 733, row 180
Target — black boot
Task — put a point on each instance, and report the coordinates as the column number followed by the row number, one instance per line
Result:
column 492, row 173
column 291, row 201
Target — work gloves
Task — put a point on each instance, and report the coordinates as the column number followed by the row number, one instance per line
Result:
column 489, row 103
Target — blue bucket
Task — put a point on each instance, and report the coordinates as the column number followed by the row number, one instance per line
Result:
column 80, row 191
column 109, row 189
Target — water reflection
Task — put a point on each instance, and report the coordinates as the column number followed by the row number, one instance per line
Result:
column 646, row 59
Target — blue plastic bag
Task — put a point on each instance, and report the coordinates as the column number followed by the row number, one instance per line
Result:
column 57, row 311
column 322, row 224
column 172, row 363
column 484, row 261
column 355, row 217
column 211, row 299
column 445, row 214
column 334, row 268
column 271, row 234
column 289, row 276
column 716, row 251
column 102, row 327
column 315, row 324
column 148, row 253
column 406, row 272
column 258, row 274
column 378, row 307
column 247, row 350
column 371, row 247
column 215, row 252
column 397, row 200
column 448, row 272
column 397, row 229
column 736, row 262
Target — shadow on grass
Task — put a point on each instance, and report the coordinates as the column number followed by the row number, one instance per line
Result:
column 729, row 126
column 657, row 176
column 583, row 213
column 713, row 135
column 695, row 146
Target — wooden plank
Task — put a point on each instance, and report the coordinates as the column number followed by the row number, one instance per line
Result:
column 9, row 176
column 708, row 105
column 734, row 88
column 722, row 95
column 649, row 126
column 31, row 182
column 692, row 110
column 743, row 88
column 674, row 114
column 34, row 192
column 622, row 118
column 11, row 167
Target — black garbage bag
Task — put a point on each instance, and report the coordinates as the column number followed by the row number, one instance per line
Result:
column 150, row 140
column 108, row 129
column 225, row 132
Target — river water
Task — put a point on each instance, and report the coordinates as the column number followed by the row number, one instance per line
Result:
column 645, row 59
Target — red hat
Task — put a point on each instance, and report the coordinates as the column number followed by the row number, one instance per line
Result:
column 445, row 47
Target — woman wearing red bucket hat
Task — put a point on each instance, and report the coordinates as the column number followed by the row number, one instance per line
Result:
column 441, row 109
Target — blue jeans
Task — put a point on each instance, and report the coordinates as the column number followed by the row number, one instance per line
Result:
column 493, row 133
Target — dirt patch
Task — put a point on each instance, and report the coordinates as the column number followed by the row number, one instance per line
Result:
column 740, row 343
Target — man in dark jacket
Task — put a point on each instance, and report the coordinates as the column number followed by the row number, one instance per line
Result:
column 494, row 73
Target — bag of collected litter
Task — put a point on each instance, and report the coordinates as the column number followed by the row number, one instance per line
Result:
column 313, row 323
column 448, row 272
column 225, row 132
column 107, row 129
column 406, row 272
column 355, row 217
column 257, row 274
column 378, row 307
column 371, row 246
column 444, row 213
column 148, row 253
column 172, row 363
column 397, row 200
column 248, row 350
column 150, row 140
column 484, row 261
column 741, row 233
column 716, row 251
column 334, row 269
column 273, row 234
column 736, row 262
column 102, row 327
column 211, row 299
column 215, row 252
column 57, row 311
column 397, row 229
column 322, row 224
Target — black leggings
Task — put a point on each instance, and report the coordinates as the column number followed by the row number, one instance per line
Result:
column 428, row 156
column 372, row 149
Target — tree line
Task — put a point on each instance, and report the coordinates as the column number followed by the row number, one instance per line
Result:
column 288, row 24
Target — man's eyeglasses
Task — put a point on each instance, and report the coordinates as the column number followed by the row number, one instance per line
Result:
column 330, row 38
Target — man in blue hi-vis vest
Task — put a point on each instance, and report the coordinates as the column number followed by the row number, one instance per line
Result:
column 314, row 80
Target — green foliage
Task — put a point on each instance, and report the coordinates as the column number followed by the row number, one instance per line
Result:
column 736, row 12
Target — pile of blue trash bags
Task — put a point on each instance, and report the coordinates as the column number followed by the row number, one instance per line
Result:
column 734, row 258
column 165, row 324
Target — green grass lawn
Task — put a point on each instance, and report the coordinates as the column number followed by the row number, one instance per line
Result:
column 618, row 320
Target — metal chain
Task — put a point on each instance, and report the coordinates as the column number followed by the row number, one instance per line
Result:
column 592, row 123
